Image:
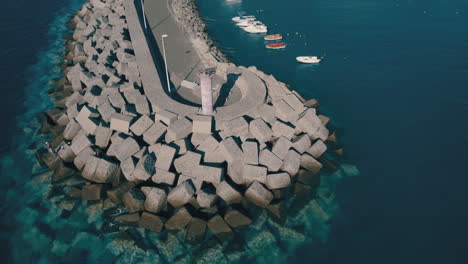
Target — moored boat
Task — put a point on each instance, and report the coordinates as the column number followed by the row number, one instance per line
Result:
column 255, row 29
column 273, row 37
column 243, row 18
column 278, row 45
column 308, row 59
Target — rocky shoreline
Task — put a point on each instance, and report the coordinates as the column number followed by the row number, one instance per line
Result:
column 180, row 175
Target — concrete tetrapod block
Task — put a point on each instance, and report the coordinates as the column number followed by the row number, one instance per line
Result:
column 301, row 143
column 236, row 127
column 309, row 163
column 120, row 122
column 151, row 222
column 259, row 195
column 281, row 129
column 228, row 193
column 291, row 162
column 278, row 180
column 219, row 227
column 202, row 124
column 270, row 160
column 236, row 219
column 163, row 176
column 154, row 133
column 164, row 156
column 178, row 129
column 179, row 220
column 165, row 116
column 196, row 230
column 126, row 148
column 155, row 199
column 260, row 130
column 317, row 149
column 252, row 173
column 181, row 194
column 144, row 168
column 230, row 150
column 103, row 135
column 80, row 142
column 281, row 147
column 141, row 125
column 250, row 150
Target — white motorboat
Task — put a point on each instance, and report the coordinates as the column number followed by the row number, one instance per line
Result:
column 243, row 18
column 308, row 59
column 250, row 23
column 255, row 29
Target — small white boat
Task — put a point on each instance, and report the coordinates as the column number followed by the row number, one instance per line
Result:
column 243, row 18
column 255, row 29
column 308, row 59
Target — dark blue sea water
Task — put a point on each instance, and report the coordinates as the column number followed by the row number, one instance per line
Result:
column 395, row 80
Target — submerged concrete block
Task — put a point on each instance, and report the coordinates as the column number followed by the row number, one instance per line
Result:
column 260, row 130
column 179, row 220
column 202, row 124
column 181, row 194
column 196, row 230
column 219, row 227
column 259, row 195
column 151, row 222
column 236, row 219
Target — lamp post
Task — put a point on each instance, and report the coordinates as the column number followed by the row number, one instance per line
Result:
column 144, row 17
column 165, row 63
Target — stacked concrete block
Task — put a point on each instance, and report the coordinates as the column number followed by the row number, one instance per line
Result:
column 141, row 125
column 230, row 150
column 155, row 133
column 80, row 142
column 178, row 129
column 144, row 168
column 85, row 121
column 309, row 163
column 267, row 113
column 72, row 111
column 82, row 157
column 106, row 111
column 155, row 199
column 317, row 149
column 187, row 162
column 260, row 130
column 251, row 173
column 202, row 124
column 206, row 199
column 126, row 148
column 258, row 194
column 197, row 138
column 236, row 127
column 66, row 153
column 134, row 200
column 164, row 177
column 120, row 122
column 103, row 135
column 151, row 222
column 278, row 180
column 219, row 227
column 281, row 147
column 128, row 166
column 142, row 105
column 228, row 193
column 285, row 112
column 236, row 219
column 165, row 116
column 301, row 143
column 309, row 122
column 281, row 129
column 294, row 102
column 250, row 151
column 71, row 130
column 164, row 156
column 208, row 145
column 116, row 99
column 270, row 160
column 309, row 178
column 291, row 162
column 181, row 194
column 179, row 220
column 196, row 230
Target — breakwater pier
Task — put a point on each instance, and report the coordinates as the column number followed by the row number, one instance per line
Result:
column 154, row 161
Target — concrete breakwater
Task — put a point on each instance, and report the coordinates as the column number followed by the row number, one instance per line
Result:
column 198, row 177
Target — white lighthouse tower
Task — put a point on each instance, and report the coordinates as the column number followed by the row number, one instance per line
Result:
column 205, row 75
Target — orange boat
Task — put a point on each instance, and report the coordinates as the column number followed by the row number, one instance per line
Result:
column 273, row 37
column 279, row 45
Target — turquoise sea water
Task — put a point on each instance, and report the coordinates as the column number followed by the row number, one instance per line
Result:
column 395, row 80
